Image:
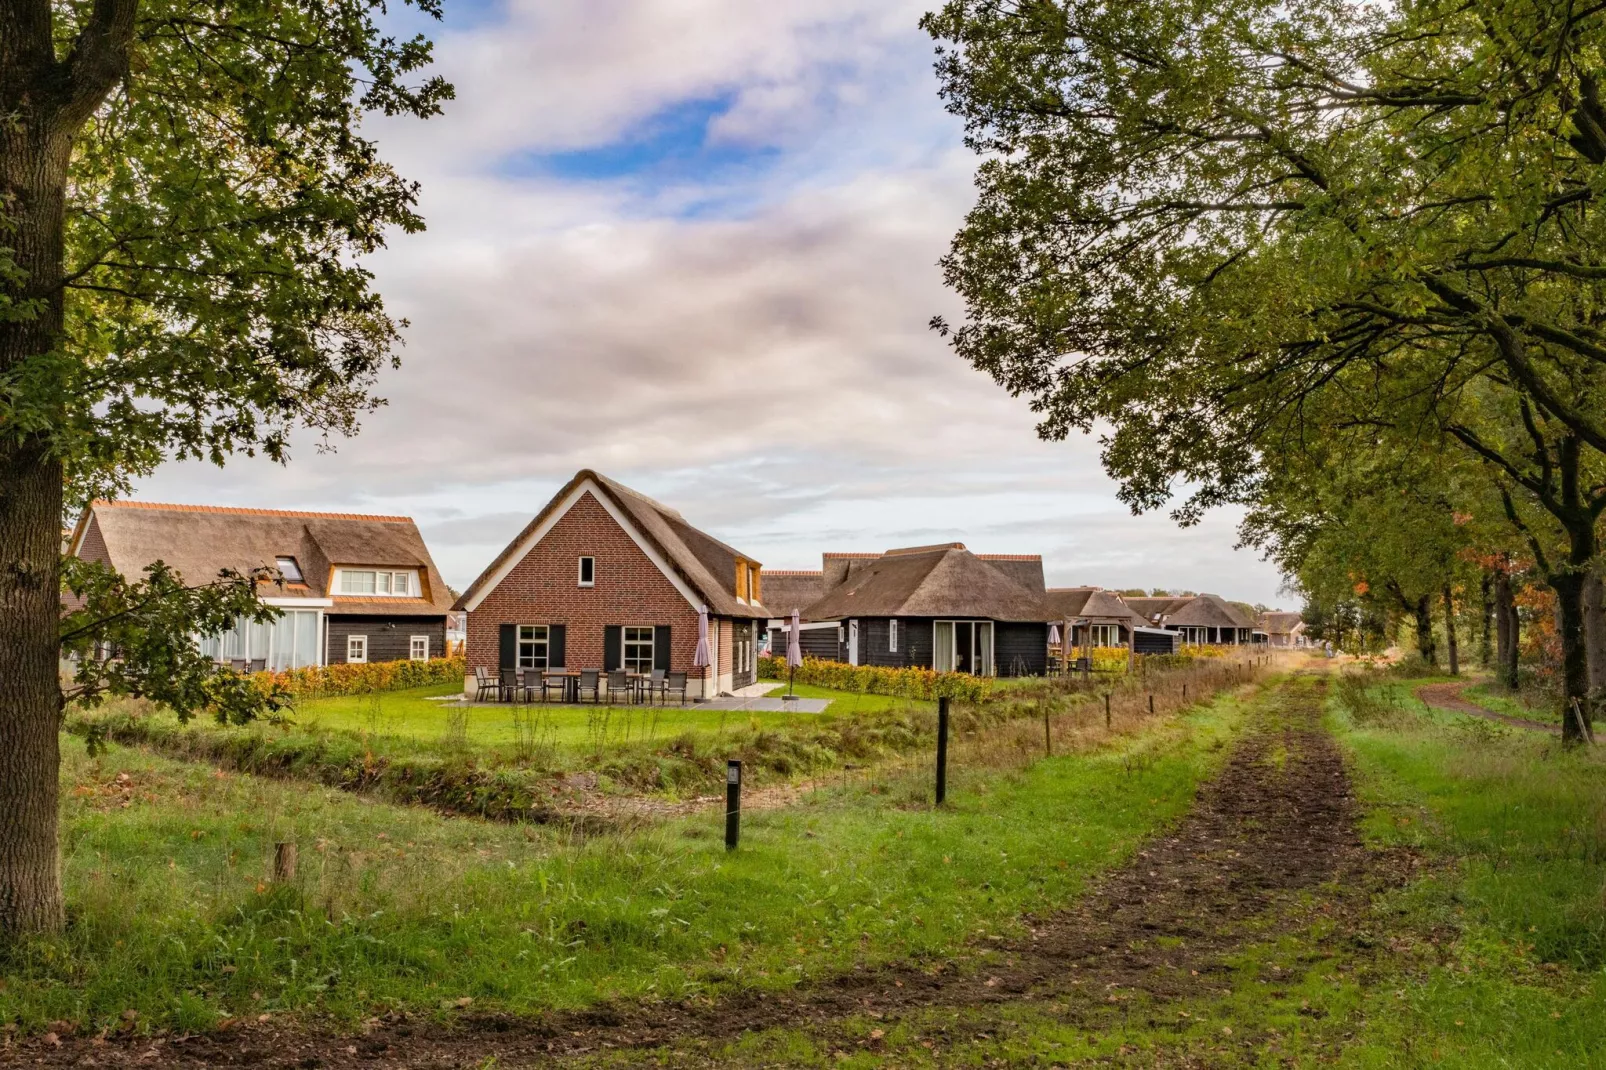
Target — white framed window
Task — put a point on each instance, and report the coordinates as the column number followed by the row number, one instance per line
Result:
column 376, row 582
column 356, row 649
column 1105, row 634
column 418, row 648
column 588, row 572
column 533, row 646
column 638, row 649
column 892, row 637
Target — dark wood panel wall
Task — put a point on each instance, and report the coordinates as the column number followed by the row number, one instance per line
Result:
column 388, row 637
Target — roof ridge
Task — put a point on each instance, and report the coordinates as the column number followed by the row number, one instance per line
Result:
column 791, row 572
column 1010, row 557
column 243, row 510
column 865, row 557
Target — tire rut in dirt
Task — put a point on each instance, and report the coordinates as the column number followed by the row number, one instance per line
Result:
column 1277, row 821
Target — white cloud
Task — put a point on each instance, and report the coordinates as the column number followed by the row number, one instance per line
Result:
column 747, row 342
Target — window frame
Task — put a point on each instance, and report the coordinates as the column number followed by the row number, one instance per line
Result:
column 544, row 642
column 385, row 583
column 292, row 573
column 642, row 665
column 355, row 639
column 892, row 636
column 580, row 571
column 1099, row 630
column 412, row 647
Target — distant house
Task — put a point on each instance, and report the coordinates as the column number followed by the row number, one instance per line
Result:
column 939, row 607
column 1203, row 619
column 1092, row 616
column 1283, row 629
column 606, row 578
column 353, row 588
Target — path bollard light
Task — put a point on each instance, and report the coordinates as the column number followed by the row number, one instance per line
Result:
column 942, row 749
column 733, row 803
column 1151, row 704
column 1106, row 711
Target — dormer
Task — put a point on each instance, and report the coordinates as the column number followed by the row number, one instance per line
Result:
column 747, row 581
column 365, row 581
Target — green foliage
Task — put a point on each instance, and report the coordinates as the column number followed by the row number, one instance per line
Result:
column 218, row 208
column 375, row 676
column 877, row 680
column 136, row 639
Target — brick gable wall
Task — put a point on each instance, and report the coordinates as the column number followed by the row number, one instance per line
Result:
column 543, row 589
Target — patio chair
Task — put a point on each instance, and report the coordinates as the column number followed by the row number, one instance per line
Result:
column 507, row 684
column 619, row 684
column 590, row 680
column 259, row 665
column 675, row 681
column 239, row 664
column 654, row 684
column 554, row 680
column 484, row 686
column 529, row 682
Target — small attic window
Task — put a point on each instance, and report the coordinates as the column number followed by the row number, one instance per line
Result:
column 289, row 569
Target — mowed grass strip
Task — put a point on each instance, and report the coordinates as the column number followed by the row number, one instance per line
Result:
column 1504, row 960
column 397, row 907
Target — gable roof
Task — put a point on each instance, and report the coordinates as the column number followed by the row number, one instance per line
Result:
column 787, row 589
column 1208, row 611
column 702, row 566
column 1091, row 603
column 1152, row 609
column 924, row 581
column 1280, row 622
column 199, row 541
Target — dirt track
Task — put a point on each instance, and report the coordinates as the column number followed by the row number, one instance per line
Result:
column 1448, row 697
column 1279, row 820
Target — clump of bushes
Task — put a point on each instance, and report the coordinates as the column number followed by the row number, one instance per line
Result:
column 879, row 680
column 363, row 679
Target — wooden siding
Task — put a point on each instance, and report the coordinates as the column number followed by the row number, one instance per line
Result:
column 388, row 637
column 914, row 643
column 1021, row 649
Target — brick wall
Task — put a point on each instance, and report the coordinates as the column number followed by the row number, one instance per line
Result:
column 543, row 589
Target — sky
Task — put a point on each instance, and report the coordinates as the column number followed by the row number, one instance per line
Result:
column 694, row 244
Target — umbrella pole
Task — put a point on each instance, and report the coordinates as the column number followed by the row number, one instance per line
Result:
column 791, row 673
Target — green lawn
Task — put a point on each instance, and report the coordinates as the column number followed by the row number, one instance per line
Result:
column 1492, row 696
column 848, row 703
column 401, row 907
column 416, row 717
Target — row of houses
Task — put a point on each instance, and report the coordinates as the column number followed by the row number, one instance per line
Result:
column 605, row 577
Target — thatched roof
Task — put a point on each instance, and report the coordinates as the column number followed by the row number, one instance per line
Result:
column 1208, row 611
column 941, row 581
column 1278, row 622
column 1152, row 609
column 199, row 541
column 1092, row 604
column 785, row 590
column 707, row 565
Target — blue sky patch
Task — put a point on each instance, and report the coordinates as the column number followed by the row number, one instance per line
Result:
column 670, row 146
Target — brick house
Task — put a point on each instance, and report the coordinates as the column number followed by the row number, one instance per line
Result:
column 352, row 588
column 606, row 578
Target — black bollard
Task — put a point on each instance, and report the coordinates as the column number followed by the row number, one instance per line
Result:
column 733, row 803
column 942, row 749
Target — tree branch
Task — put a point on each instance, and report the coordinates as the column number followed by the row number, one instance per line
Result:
column 98, row 60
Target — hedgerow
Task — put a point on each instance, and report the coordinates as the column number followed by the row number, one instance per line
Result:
column 364, row 679
column 879, row 680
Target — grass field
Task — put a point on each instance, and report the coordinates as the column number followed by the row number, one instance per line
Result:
column 397, row 907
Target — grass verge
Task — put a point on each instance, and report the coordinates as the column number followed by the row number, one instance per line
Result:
column 396, row 907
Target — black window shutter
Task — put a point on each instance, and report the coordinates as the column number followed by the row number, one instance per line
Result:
column 613, row 647
column 554, row 649
column 510, row 646
column 660, row 647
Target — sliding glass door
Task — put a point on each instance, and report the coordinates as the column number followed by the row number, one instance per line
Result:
column 962, row 646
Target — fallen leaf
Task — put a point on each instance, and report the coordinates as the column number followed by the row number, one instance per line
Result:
column 877, row 1034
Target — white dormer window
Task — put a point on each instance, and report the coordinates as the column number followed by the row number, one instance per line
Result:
column 588, row 572
column 376, row 583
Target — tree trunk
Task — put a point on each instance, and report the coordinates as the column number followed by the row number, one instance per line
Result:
column 34, row 155
column 1569, row 581
column 1449, row 633
column 1424, row 630
column 1595, row 637
column 1505, row 620
column 1486, row 608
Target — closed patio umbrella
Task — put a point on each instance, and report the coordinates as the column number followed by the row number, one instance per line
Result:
column 1053, row 635
column 794, row 650
column 702, row 657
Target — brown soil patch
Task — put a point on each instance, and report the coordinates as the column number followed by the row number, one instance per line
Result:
column 1449, row 697
column 1278, row 822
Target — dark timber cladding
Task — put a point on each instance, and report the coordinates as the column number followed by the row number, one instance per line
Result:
column 388, row 638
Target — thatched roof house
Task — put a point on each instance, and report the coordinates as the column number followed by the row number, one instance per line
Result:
column 1203, row 618
column 352, row 587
